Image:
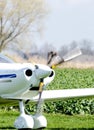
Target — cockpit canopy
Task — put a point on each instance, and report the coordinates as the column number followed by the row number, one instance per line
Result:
column 4, row 59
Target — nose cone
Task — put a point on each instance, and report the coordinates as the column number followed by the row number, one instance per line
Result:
column 42, row 71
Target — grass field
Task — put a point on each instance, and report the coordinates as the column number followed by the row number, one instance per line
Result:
column 73, row 78
column 58, row 121
column 65, row 78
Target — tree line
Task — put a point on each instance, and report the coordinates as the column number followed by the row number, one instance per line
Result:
column 21, row 20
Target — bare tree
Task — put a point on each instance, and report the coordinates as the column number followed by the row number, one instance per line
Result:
column 73, row 45
column 47, row 47
column 18, row 17
column 87, row 47
column 63, row 50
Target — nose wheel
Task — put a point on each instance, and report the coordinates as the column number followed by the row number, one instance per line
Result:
column 28, row 122
column 24, row 121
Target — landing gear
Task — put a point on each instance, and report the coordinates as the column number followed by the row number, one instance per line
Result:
column 28, row 122
column 39, row 121
column 24, row 121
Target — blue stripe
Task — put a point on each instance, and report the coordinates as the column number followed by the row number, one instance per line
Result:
column 8, row 76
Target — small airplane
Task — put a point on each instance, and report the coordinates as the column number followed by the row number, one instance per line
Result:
column 24, row 82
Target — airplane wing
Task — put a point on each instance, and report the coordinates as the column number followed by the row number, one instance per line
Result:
column 54, row 94
column 68, row 93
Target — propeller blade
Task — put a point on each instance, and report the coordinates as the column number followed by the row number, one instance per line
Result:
column 73, row 54
column 69, row 56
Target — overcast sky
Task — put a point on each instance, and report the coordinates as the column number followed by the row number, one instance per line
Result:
column 69, row 20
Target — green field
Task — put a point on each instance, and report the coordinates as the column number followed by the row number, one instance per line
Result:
column 59, row 121
column 69, row 79
column 68, row 114
column 72, row 78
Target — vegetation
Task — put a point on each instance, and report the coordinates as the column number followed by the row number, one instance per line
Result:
column 66, row 78
column 7, row 119
column 58, row 112
column 59, row 121
column 71, row 78
column 66, row 122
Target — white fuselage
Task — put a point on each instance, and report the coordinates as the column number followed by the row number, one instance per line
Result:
column 16, row 78
column 13, row 78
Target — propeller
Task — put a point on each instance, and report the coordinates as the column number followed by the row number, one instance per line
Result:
column 54, row 59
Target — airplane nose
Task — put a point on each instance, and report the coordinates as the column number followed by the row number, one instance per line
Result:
column 42, row 71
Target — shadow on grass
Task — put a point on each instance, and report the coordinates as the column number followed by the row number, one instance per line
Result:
column 7, row 128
